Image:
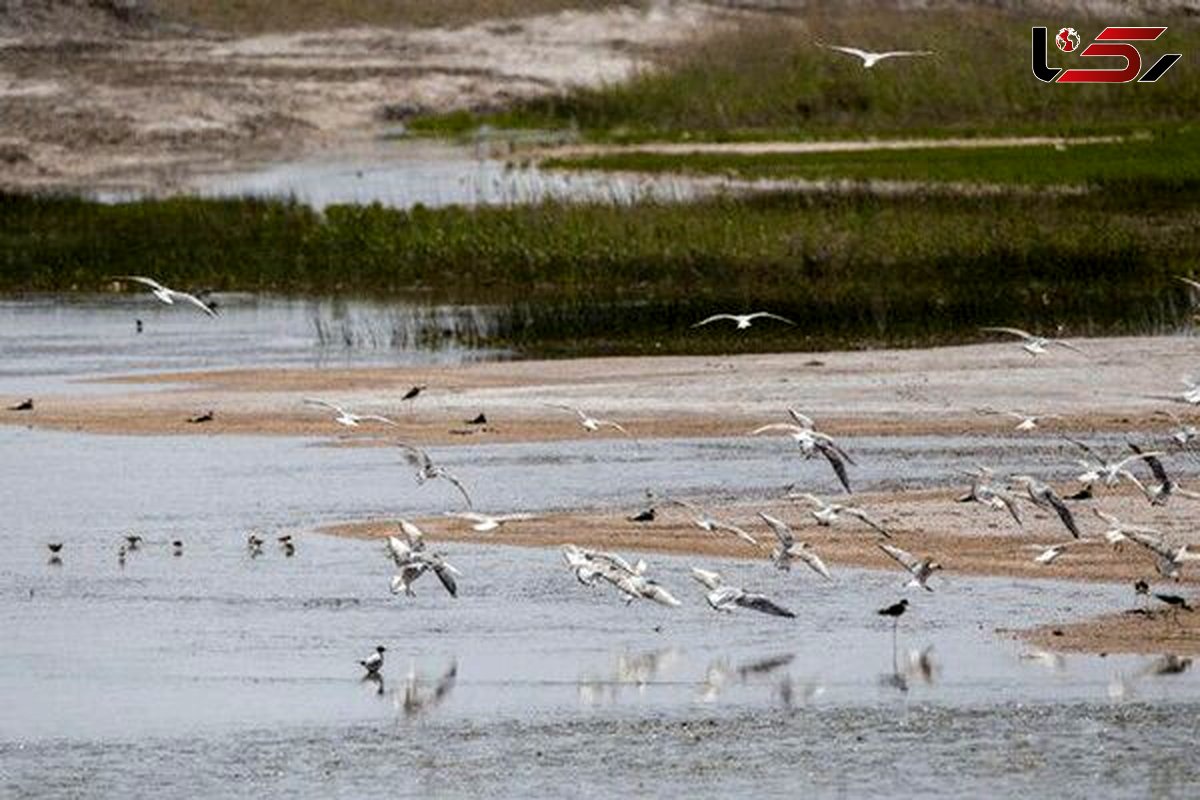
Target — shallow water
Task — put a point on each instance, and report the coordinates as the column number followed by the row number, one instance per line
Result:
column 409, row 173
column 214, row 674
column 47, row 340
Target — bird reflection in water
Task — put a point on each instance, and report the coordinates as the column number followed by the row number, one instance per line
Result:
column 419, row 695
column 637, row 669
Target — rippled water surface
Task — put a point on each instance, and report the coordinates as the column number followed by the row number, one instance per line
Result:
column 215, row 674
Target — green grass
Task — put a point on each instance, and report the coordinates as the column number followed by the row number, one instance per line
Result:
column 851, row 269
column 1168, row 162
column 772, row 80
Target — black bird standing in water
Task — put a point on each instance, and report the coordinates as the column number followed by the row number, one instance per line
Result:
column 24, row 405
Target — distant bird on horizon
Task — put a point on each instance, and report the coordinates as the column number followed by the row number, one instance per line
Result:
column 168, row 295
column 24, row 405
column 743, row 321
column 481, row 419
column 412, row 393
column 870, row 58
column 199, row 419
column 177, row 547
column 1035, row 345
column 347, row 418
column 132, row 541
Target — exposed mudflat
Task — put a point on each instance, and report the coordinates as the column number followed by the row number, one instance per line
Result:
column 1120, row 384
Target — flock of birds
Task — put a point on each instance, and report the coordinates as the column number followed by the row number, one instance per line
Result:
column 413, row 558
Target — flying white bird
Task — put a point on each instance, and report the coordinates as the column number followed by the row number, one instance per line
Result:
column 1168, row 560
column 707, row 522
column 1118, row 531
column 166, row 294
column 1034, row 345
column 484, row 523
column 1158, row 494
column 413, row 560
column 828, row 513
column 987, row 493
column 1025, row 422
column 1100, row 468
column 1045, row 497
column 590, row 424
column 921, row 569
column 871, row 58
column 743, row 320
column 1184, row 432
column 1049, row 553
column 789, row 549
column 726, row 598
column 630, row 579
column 811, row 441
column 427, row 470
column 347, row 418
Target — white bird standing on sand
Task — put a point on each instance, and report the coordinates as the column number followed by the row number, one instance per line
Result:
column 374, row 662
column 871, row 58
column 1045, row 497
column 1168, row 560
column 743, row 320
column 921, row 569
column 789, row 549
column 347, row 418
column 483, row 523
column 726, row 598
column 707, row 522
column 985, row 492
column 590, row 424
column 166, row 294
column 1118, row 531
column 811, row 441
column 427, row 470
column 828, row 513
column 1034, row 345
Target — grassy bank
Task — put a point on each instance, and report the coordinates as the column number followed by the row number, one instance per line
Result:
column 1167, row 162
column 851, row 269
column 772, row 79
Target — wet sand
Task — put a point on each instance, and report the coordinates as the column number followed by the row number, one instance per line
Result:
column 1118, row 386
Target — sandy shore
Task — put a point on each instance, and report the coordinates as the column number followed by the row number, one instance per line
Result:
column 965, row 538
column 116, row 105
column 1118, row 386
